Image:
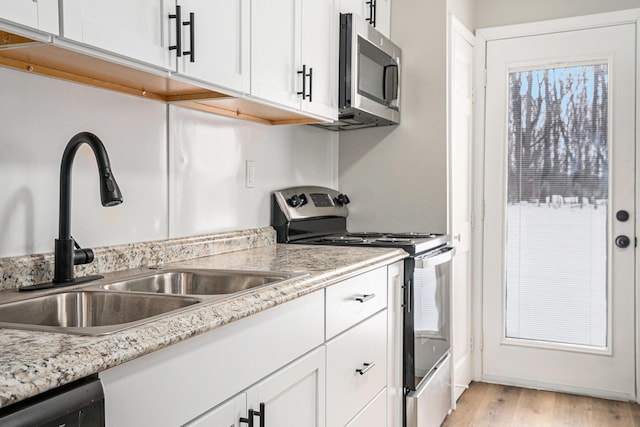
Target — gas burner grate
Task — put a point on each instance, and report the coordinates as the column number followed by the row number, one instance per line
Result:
column 366, row 234
column 403, row 240
column 410, row 235
column 342, row 239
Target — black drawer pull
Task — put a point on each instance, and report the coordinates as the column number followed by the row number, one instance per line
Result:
column 367, row 368
column 365, row 297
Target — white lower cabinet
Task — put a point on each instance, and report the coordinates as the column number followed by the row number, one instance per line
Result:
column 277, row 368
column 226, row 415
column 374, row 414
column 293, row 396
column 179, row 383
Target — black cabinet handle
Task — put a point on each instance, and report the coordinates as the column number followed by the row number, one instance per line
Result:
column 372, row 12
column 304, row 73
column 178, row 46
column 192, row 35
column 260, row 414
column 310, row 84
column 252, row 414
column 249, row 419
column 304, row 82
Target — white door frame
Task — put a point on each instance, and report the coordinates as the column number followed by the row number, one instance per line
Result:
column 461, row 320
column 521, row 30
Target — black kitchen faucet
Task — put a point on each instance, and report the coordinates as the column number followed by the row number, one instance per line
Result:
column 67, row 251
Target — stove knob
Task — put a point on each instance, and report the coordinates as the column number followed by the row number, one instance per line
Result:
column 297, row 201
column 342, row 199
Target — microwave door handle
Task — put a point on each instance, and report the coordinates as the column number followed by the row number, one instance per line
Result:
column 389, row 86
column 433, row 261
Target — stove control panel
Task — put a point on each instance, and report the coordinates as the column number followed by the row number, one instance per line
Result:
column 310, row 202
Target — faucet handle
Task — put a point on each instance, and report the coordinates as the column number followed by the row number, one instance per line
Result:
column 81, row 256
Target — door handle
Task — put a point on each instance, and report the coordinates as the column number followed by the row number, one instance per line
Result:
column 622, row 241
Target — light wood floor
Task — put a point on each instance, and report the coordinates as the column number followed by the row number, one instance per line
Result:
column 494, row 405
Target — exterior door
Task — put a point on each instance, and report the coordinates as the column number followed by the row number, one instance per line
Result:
column 558, row 269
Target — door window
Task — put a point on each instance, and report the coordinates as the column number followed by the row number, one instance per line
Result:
column 557, row 203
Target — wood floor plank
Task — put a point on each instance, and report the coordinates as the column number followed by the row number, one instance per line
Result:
column 572, row 410
column 492, row 405
column 535, row 406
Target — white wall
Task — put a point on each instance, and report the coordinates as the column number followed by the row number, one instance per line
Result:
column 396, row 176
column 207, row 158
column 491, row 13
column 464, row 11
column 39, row 115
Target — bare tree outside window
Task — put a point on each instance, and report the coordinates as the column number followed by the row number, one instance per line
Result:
column 558, row 135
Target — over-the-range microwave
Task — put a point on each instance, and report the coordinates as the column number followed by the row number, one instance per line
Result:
column 369, row 77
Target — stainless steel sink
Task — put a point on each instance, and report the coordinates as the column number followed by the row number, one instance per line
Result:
column 89, row 312
column 199, row 282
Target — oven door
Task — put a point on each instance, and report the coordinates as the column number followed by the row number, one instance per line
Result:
column 427, row 320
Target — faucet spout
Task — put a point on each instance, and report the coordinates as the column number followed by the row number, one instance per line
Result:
column 67, row 251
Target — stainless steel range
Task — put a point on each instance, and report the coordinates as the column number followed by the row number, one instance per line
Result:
column 318, row 216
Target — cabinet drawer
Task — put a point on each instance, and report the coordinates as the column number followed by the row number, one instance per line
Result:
column 348, row 391
column 354, row 300
column 374, row 414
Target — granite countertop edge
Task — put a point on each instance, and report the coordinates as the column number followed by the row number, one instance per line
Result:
column 35, row 362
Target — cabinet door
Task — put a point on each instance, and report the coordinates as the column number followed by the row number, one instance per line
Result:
column 358, row 7
column 383, row 17
column 320, row 29
column 275, row 51
column 136, row 29
column 293, row 396
column 226, row 415
column 380, row 12
column 41, row 14
column 221, row 42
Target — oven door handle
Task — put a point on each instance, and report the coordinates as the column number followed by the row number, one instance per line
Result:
column 439, row 257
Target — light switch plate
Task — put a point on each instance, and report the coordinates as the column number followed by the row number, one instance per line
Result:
column 250, row 174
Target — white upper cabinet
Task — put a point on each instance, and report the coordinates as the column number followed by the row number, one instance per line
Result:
column 294, row 54
column 275, row 51
column 376, row 12
column 320, row 31
column 135, row 29
column 216, row 47
column 41, row 14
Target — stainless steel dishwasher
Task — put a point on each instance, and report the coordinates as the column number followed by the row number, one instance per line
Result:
column 78, row 404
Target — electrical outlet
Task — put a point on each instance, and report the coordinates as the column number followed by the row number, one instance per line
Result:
column 250, row 174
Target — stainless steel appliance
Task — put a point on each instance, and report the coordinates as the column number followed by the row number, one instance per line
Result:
column 79, row 404
column 318, row 216
column 369, row 77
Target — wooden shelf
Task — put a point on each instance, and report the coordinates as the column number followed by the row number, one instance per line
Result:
column 48, row 59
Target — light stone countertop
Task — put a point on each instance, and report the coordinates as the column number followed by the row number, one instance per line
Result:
column 34, row 362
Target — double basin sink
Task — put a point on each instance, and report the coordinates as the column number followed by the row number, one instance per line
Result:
column 106, row 308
